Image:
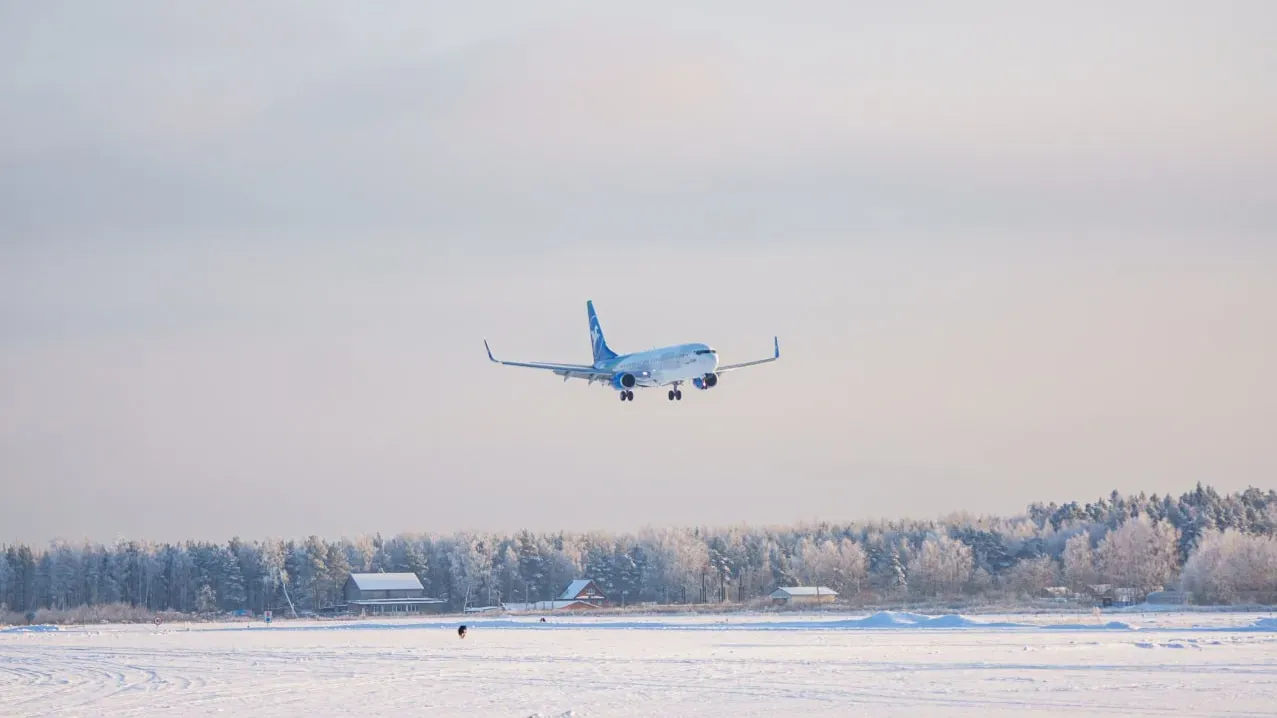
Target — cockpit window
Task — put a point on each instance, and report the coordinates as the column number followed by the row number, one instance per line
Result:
column 706, row 351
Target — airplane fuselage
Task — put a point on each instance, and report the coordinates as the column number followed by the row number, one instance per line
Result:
column 665, row 365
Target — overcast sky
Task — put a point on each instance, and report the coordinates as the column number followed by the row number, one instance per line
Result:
column 249, row 252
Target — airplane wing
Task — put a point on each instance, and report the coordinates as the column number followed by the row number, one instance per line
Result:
column 567, row 371
column 772, row 358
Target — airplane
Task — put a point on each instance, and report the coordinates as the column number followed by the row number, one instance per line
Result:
column 670, row 366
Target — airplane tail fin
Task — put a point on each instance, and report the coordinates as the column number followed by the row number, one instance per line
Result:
column 597, row 342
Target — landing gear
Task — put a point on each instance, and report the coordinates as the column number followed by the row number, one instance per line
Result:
column 627, row 395
column 675, row 394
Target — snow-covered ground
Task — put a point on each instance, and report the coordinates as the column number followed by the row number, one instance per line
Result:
column 1164, row 663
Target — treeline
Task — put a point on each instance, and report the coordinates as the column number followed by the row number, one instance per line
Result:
column 1220, row 548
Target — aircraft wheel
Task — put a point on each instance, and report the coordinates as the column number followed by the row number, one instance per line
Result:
column 671, row 395
column 678, row 395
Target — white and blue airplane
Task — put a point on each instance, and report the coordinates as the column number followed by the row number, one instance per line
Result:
column 671, row 366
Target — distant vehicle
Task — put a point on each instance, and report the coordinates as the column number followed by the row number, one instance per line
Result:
column 672, row 366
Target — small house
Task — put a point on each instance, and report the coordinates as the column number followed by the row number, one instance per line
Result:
column 803, row 595
column 580, row 595
column 1167, row 598
column 538, row 606
column 583, row 590
column 388, row 593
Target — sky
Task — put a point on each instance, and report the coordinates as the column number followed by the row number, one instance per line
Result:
column 249, row 253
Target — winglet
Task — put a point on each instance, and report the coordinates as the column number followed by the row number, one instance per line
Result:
column 777, row 341
column 485, row 346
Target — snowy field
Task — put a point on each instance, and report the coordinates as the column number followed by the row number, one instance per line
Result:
column 1128, row 664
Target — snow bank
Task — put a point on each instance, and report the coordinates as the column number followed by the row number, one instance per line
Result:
column 900, row 619
column 1110, row 626
column 891, row 619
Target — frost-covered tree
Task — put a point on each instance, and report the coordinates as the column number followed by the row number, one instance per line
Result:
column 899, row 575
column 313, row 560
column 338, row 566
column 416, row 561
column 677, row 560
column 722, row 565
column 273, row 556
column 1229, row 567
column 957, row 554
column 6, row 581
column 1079, row 562
column 1140, row 554
column 563, row 565
column 1032, row 576
column 839, row 565
column 505, row 567
column 941, row 567
column 206, row 599
column 532, row 566
column 359, row 553
column 470, row 570
column 22, row 578
column 64, row 569
column 229, row 580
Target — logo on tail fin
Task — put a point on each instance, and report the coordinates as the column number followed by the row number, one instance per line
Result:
column 597, row 343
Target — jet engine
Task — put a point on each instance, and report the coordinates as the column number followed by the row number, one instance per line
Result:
column 623, row 381
column 709, row 381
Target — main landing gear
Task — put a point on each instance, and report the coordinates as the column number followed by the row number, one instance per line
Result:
column 676, row 394
column 627, row 395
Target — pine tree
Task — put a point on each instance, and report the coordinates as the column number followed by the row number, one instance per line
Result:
column 314, row 556
column 206, row 599
column 899, row 575
column 338, row 570
column 6, row 582
column 231, row 594
column 415, row 562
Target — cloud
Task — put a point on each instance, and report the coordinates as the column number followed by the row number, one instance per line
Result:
column 402, row 114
